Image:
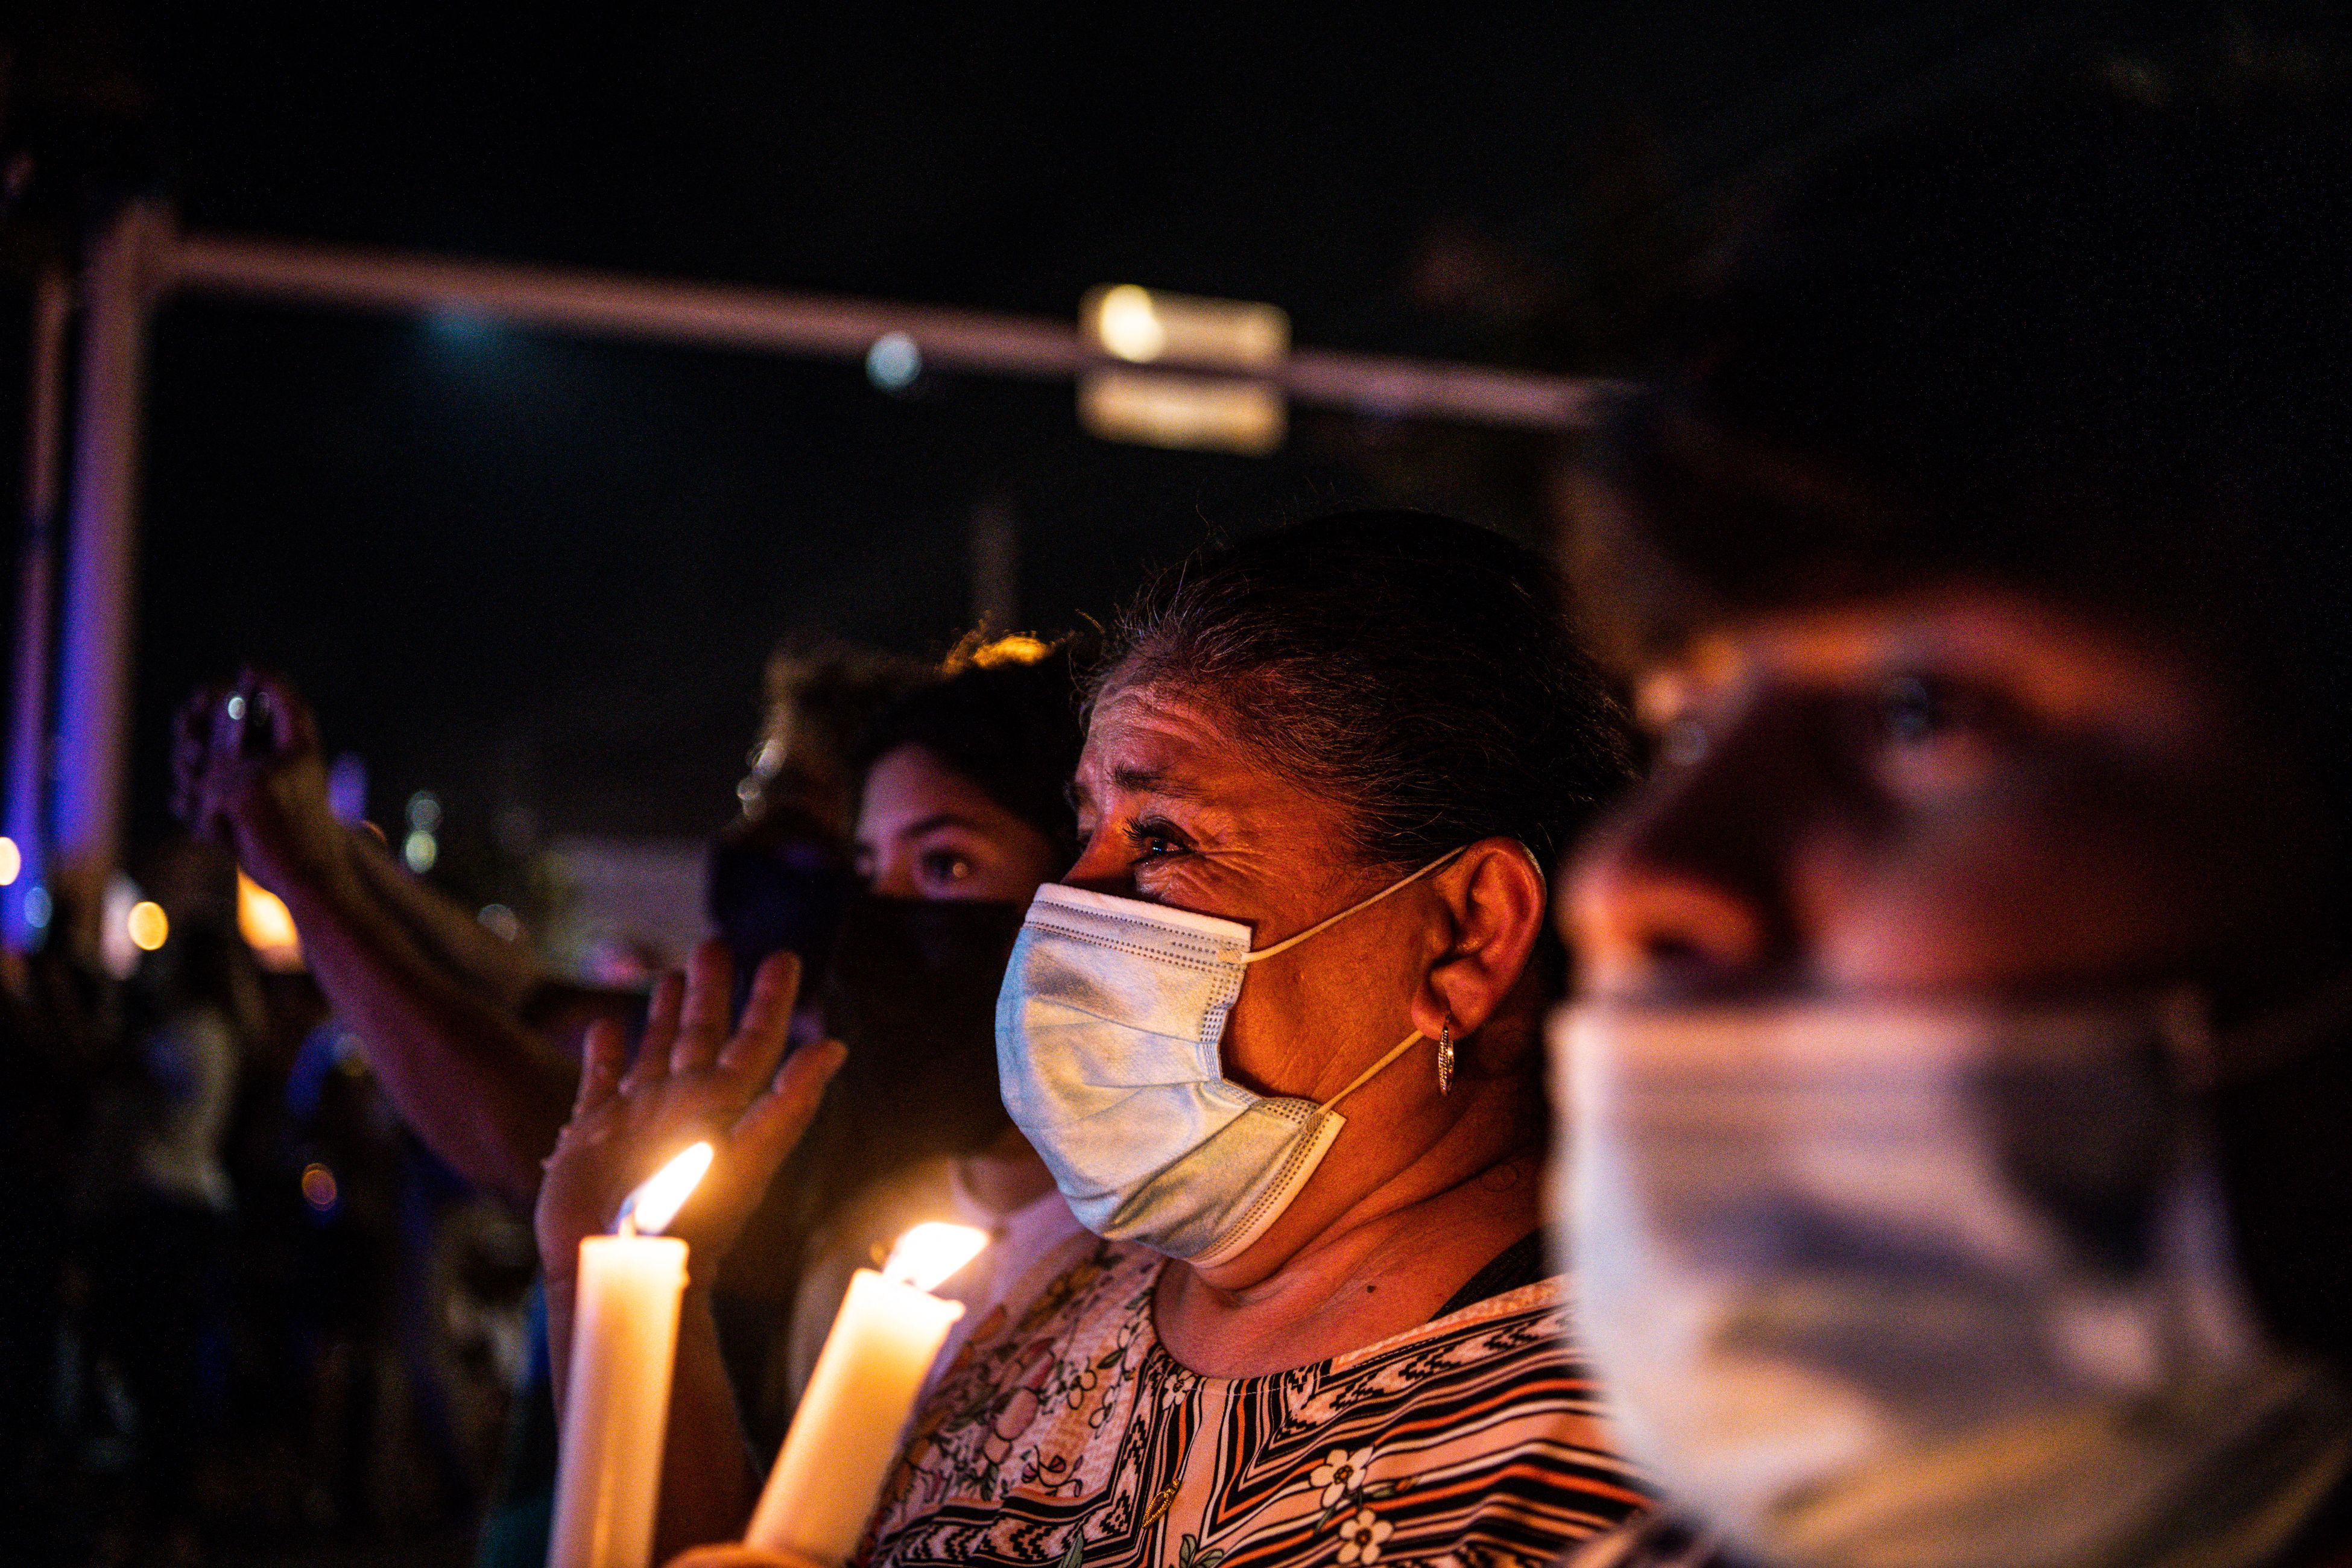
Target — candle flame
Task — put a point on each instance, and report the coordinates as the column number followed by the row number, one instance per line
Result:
column 651, row 1206
column 930, row 1252
column 263, row 920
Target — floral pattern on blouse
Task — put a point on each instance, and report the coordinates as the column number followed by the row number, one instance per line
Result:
column 1072, row 1439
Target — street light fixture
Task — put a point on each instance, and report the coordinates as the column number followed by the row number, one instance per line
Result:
column 1182, row 336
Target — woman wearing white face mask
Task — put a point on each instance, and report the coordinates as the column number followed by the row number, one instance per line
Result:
column 1276, row 1037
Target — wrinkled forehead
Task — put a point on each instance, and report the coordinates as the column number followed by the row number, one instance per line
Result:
column 1152, row 736
column 1166, row 742
column 1156, row 713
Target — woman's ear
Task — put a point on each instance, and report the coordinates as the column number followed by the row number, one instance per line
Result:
column 1497, row 898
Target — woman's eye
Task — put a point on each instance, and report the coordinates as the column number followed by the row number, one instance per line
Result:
column 1915, row 709
column 1153, row 841
column 1912, row 709
column 945, row 866
column 1929, row 736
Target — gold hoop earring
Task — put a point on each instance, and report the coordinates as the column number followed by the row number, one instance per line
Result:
column 1446, row 1056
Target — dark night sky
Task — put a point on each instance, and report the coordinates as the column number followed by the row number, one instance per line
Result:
column 525, row 570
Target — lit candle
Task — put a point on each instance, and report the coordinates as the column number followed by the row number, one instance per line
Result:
column 616, row 1402
column 846, row 1432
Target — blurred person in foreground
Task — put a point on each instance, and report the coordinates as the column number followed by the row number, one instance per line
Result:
column 1277, row 1035
column 1954, row 1162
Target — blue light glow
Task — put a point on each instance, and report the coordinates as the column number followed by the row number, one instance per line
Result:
column 460, row 327
column 894, row 361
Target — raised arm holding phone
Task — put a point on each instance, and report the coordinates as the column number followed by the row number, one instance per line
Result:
column 441, row 1006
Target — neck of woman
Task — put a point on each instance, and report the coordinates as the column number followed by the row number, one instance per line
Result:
column 1385, row 1266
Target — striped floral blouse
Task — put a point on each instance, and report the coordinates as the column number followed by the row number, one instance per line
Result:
column 1073, row 1438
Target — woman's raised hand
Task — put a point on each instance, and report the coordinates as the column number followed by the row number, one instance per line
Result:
column 692, row 1079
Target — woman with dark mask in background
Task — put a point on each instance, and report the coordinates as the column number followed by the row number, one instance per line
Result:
column 780, row 873
column 963, row 810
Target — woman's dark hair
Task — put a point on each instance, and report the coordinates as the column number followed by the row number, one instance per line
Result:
column 1004, row 715
column 1421, row 672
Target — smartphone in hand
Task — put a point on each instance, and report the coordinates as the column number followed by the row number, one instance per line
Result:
column 248, row 712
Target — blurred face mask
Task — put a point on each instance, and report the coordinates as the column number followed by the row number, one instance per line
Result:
column 1107, row 1043
column 911, row 990
column 1896, row 1286
column 766, row 898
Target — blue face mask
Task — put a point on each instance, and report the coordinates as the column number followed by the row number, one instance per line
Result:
column 1107, row 1046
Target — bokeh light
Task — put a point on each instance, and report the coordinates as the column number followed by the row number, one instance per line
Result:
column 425, row 811
column 149, row 926
column 420, row 850
column 894, row 361
column 1129, row 324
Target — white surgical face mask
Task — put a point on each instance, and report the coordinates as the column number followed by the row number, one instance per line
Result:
column 1920, row 1286
column 1107, row 1046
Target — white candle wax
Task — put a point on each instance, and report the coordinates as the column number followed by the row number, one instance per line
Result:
column 616, row 1402
column 846, row 1432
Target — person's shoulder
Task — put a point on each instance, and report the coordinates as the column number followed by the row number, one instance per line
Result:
column 921, row 1189
column 1508, row 1360
column 1043, row 1221
column 860, row 1233
column 1032, row 1247
column 1035, row 1401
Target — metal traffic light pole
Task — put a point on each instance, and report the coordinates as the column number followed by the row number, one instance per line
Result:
column 72, row 826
